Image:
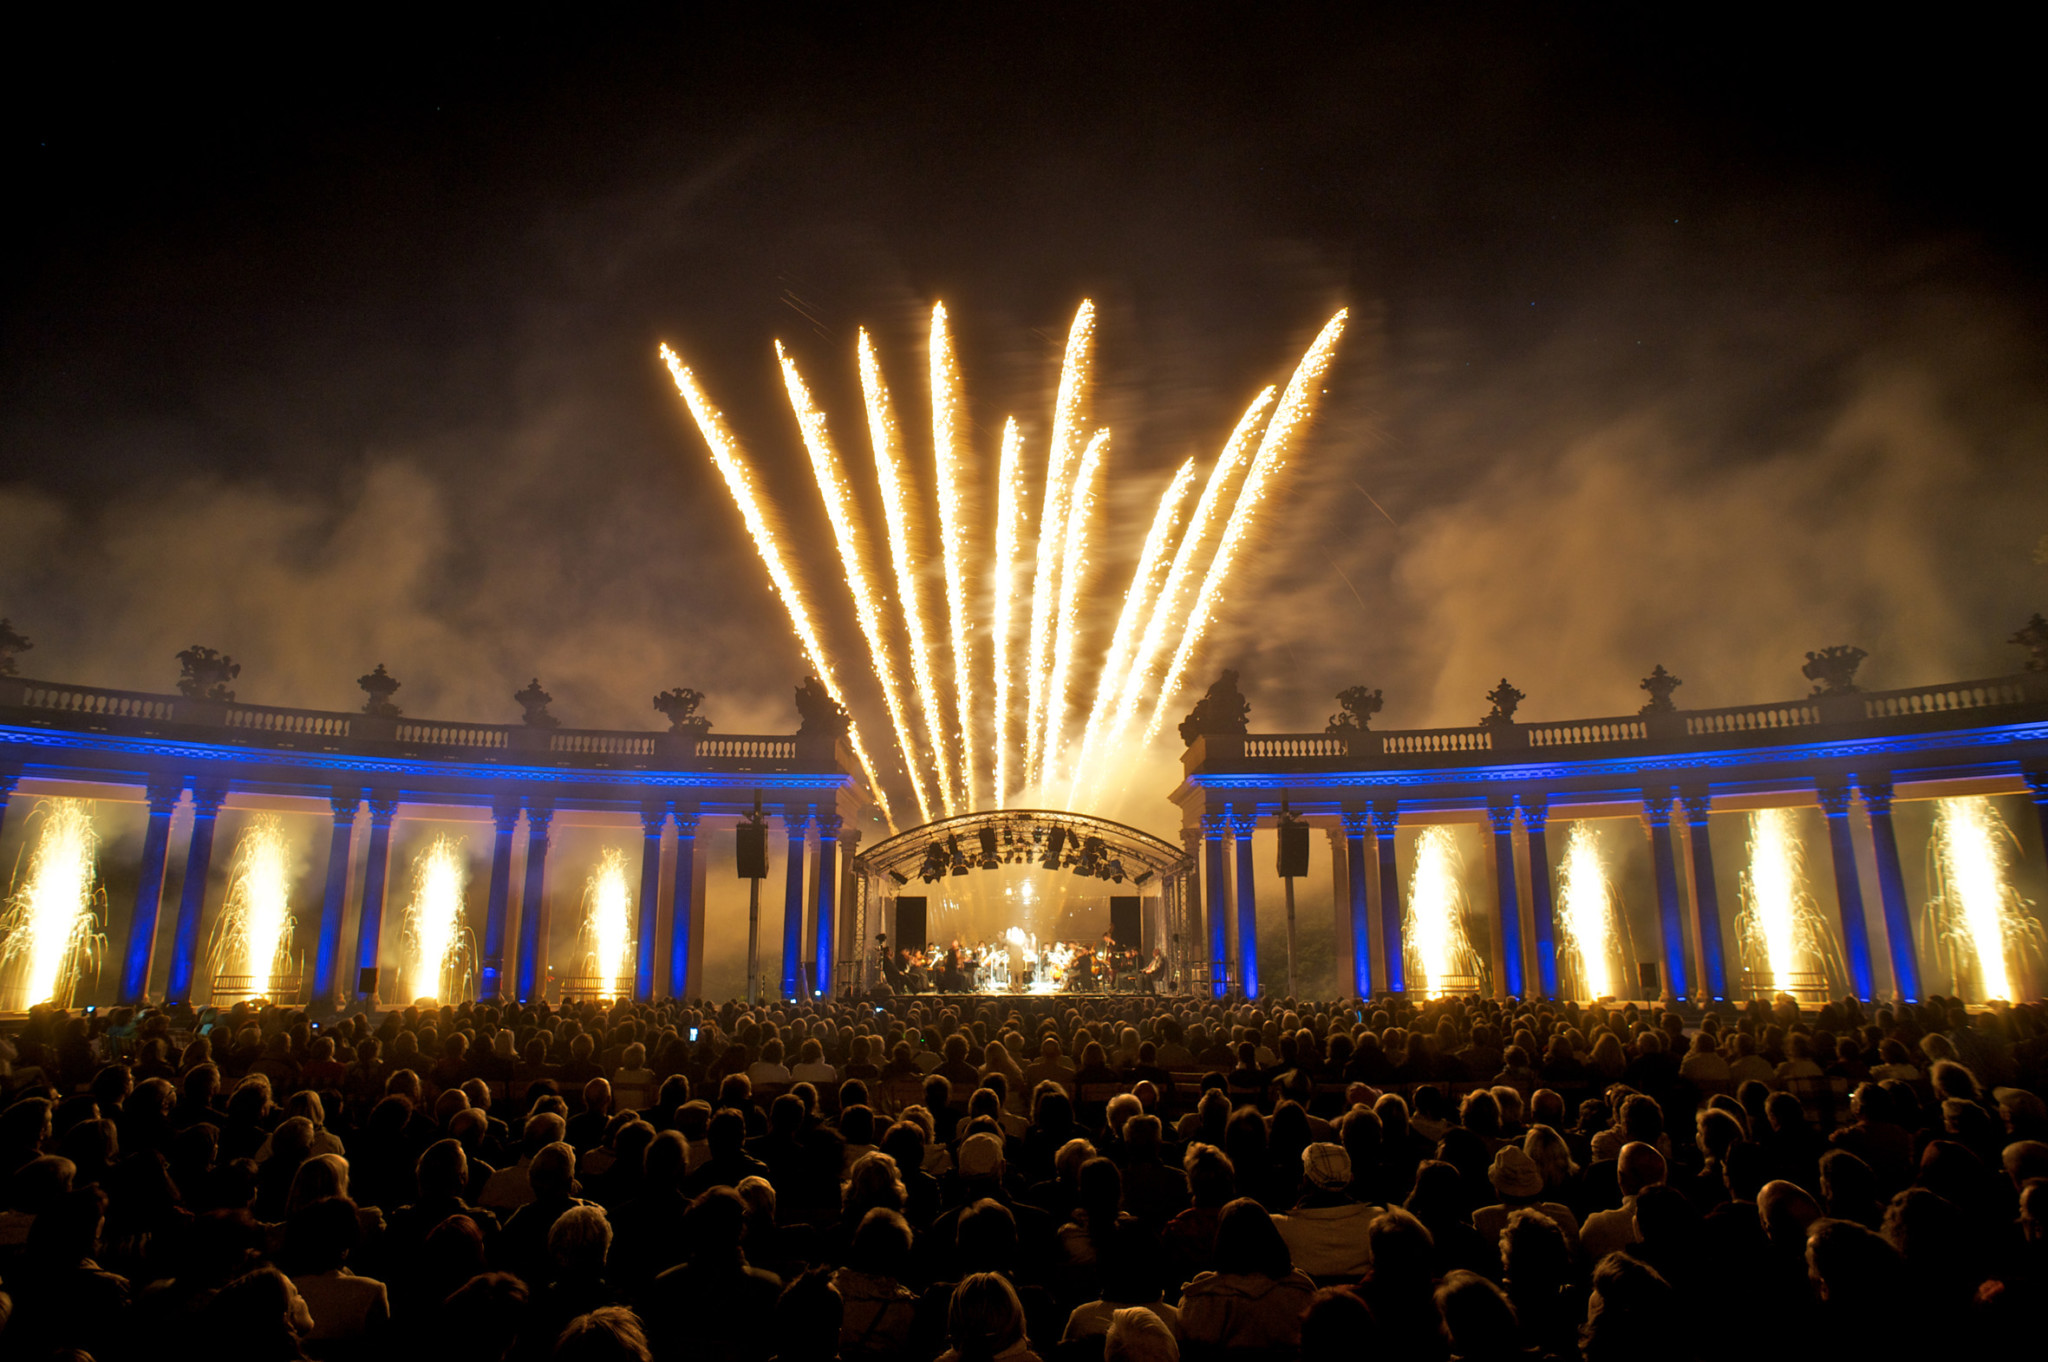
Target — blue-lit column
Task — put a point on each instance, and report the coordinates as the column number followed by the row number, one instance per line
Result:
column 828, row 901
column 1501, row 814
column 1216, row 891
column 796, row 821
column 376, row 874
column 1357, row 824
column 163, row 794
column 343, row 800
column 1699, row 858
column 497, row 906
column 653, row 817
column 1664, row 861
column 540, row 815
column 1386, row 821
column 206, row 802
column 1241, row 826
column 1891, row 882
column 1542, row 908
column 682, row 919
column 8, row 780
column 1834, row 802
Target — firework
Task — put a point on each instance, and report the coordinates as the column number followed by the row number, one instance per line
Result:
column 831, row 478
column 1009, row 526
column 739, row 480
column 1436, row 919
column 436, row 920
column 51, row 930
column 896, row 515
column 1586, row 911
column 1296, row 403
column 1983, row 920
column 1066, row 440
column 949, row 447
column 1073, row 570
column 255, row 931
column 1782, row 932
column 608, row 923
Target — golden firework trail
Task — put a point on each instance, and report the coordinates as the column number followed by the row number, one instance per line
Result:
column 435, row 916
column 254, row 934
column 1009, row 528
column 1167, row 608
column 1137, row 607
column 50, row 930
column 896, row 514
column 831, row 478
column 949, row 447
column 1296, row 403
column 739, row 481
column 1073, row 568
column 608, row 923
column 1066, row 438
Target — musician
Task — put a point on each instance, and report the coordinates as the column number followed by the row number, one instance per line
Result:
column 1155, row 973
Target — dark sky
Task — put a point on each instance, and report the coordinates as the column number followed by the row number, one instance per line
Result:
column 1692, row 338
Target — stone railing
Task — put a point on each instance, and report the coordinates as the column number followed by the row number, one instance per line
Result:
column 1672, row 726
column 46, row 704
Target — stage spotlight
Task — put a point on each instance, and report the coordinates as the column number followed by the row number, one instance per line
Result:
column 1142, row 878
column 989, row 859
column 1055, row 842
column 899, row 877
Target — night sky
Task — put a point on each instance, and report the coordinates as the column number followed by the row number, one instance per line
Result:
column 1704, row 342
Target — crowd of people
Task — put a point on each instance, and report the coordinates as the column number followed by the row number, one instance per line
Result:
column 1066, row 1179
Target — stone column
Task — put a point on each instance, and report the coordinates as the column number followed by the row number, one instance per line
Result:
column 854, row 932
column 796, row 819
column 828, row 901
column 653, row 816
column 162, row 793
column 1699, row 849
column 1670, row 916
column 8, row 780
column 1542, row 907
column 370, row 922
column 1891, row 878
column 1241, row 826
column 344, row 800
column 1834, row 801
column 1501, row 813
column 680, row 919
column 1215, row 826
column 1357, row 823
column 2037, row 781
column 533, row 979
column 1386, row 821
column 185, row 946
column 504, row 823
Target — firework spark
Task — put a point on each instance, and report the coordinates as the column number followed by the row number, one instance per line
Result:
column 1586, row 910
column 949, row 447
column 1045, row 585
column 1984, row 914
column 1436, row 925
column 1073, row 570
column 608, row 923
column 1009, row 528
column 254, row 936
column 437, row 920
column 51, row 928
column 1296, row 403
column 1778, row 909
column 896, row 515
column 830, row 474
column 739, row 480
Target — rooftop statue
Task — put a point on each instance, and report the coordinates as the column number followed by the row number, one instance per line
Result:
column 2033, row 636
column 1660, row 683
column 535, row 702
column 203, row 674
column 680, row 705
column 1833, row 669
column 817, row 711
column 1224, row 710
column 1504, row 697
column 13, row 641
column 1359, row 704
column 380, row 685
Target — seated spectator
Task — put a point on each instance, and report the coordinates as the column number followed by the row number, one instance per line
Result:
column 1606, row 1232
column 1252, row 1304
column 1326, row 1230
column 1633, row 1314
column 877, row 1310
column 350, row 1313
column 1478, row 1320
column 714, row 1304
column 1128, row 1271
column 522, row 1248
column 1138, row 1334
column 1539, row 1270
column 985, row 1321
column 633, row 1084
column 1520, row 1184
column 1190, row 1237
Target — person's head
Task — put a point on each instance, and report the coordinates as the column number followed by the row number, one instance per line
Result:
column 881, row 1244
column 610, row 1333
column 1638, row 1166
column 1211, row 1178
column 985, row 1317
column 1786, row 1211
column 578, row 1243
column 1249, row 1244
column 443, row 1171
column 41, row 1183
column 1325, row 1168
column 1853, row 1267
column 1477, row 1318
column 259, row 1315
column 714, row 1224
column 320, row 1236
column 1099, row 1190
column 1137, row 1335
column 986, row 1237
column 981, row 1158
column 758, row 1194
column 1535, row 1256
column 808, row 1318
column 1515, row 1177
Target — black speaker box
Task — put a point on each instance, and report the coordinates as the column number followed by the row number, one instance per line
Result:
column 1293, row 850
column 750, row 841
column 1126, row 921
column 1651, row 978
column 910, row 923
column 366, row 982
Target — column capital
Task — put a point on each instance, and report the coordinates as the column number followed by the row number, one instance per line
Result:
column 383, row 808
column 1357, row 822
column 1834, row 797
column 653, row 816
column 1501, row 813
column 1657, row 801
column 829, row 825
column 1535, row 812
column 505, row 812
column 686, row 823
column 345, row 801
column 208, row 797
column 796, row 824
column 1697, row 800
column 2037, row 781
column 540, row 812
column 1243, row 825
column 849, row 838
column 1877, row 792
column 163, row 793
column 1386, row 816
column 1215, row 826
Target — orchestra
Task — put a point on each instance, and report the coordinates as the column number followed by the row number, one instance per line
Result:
column 1021, row 964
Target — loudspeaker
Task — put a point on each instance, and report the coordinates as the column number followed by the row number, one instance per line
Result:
column 750, row 841
column 1126, row 921
column 910, row 922
column 1650, row 977
column 366, row 982
column 1293, row 850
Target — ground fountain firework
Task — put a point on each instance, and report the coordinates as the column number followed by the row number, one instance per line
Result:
column 440, row 943
column 50, row 934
